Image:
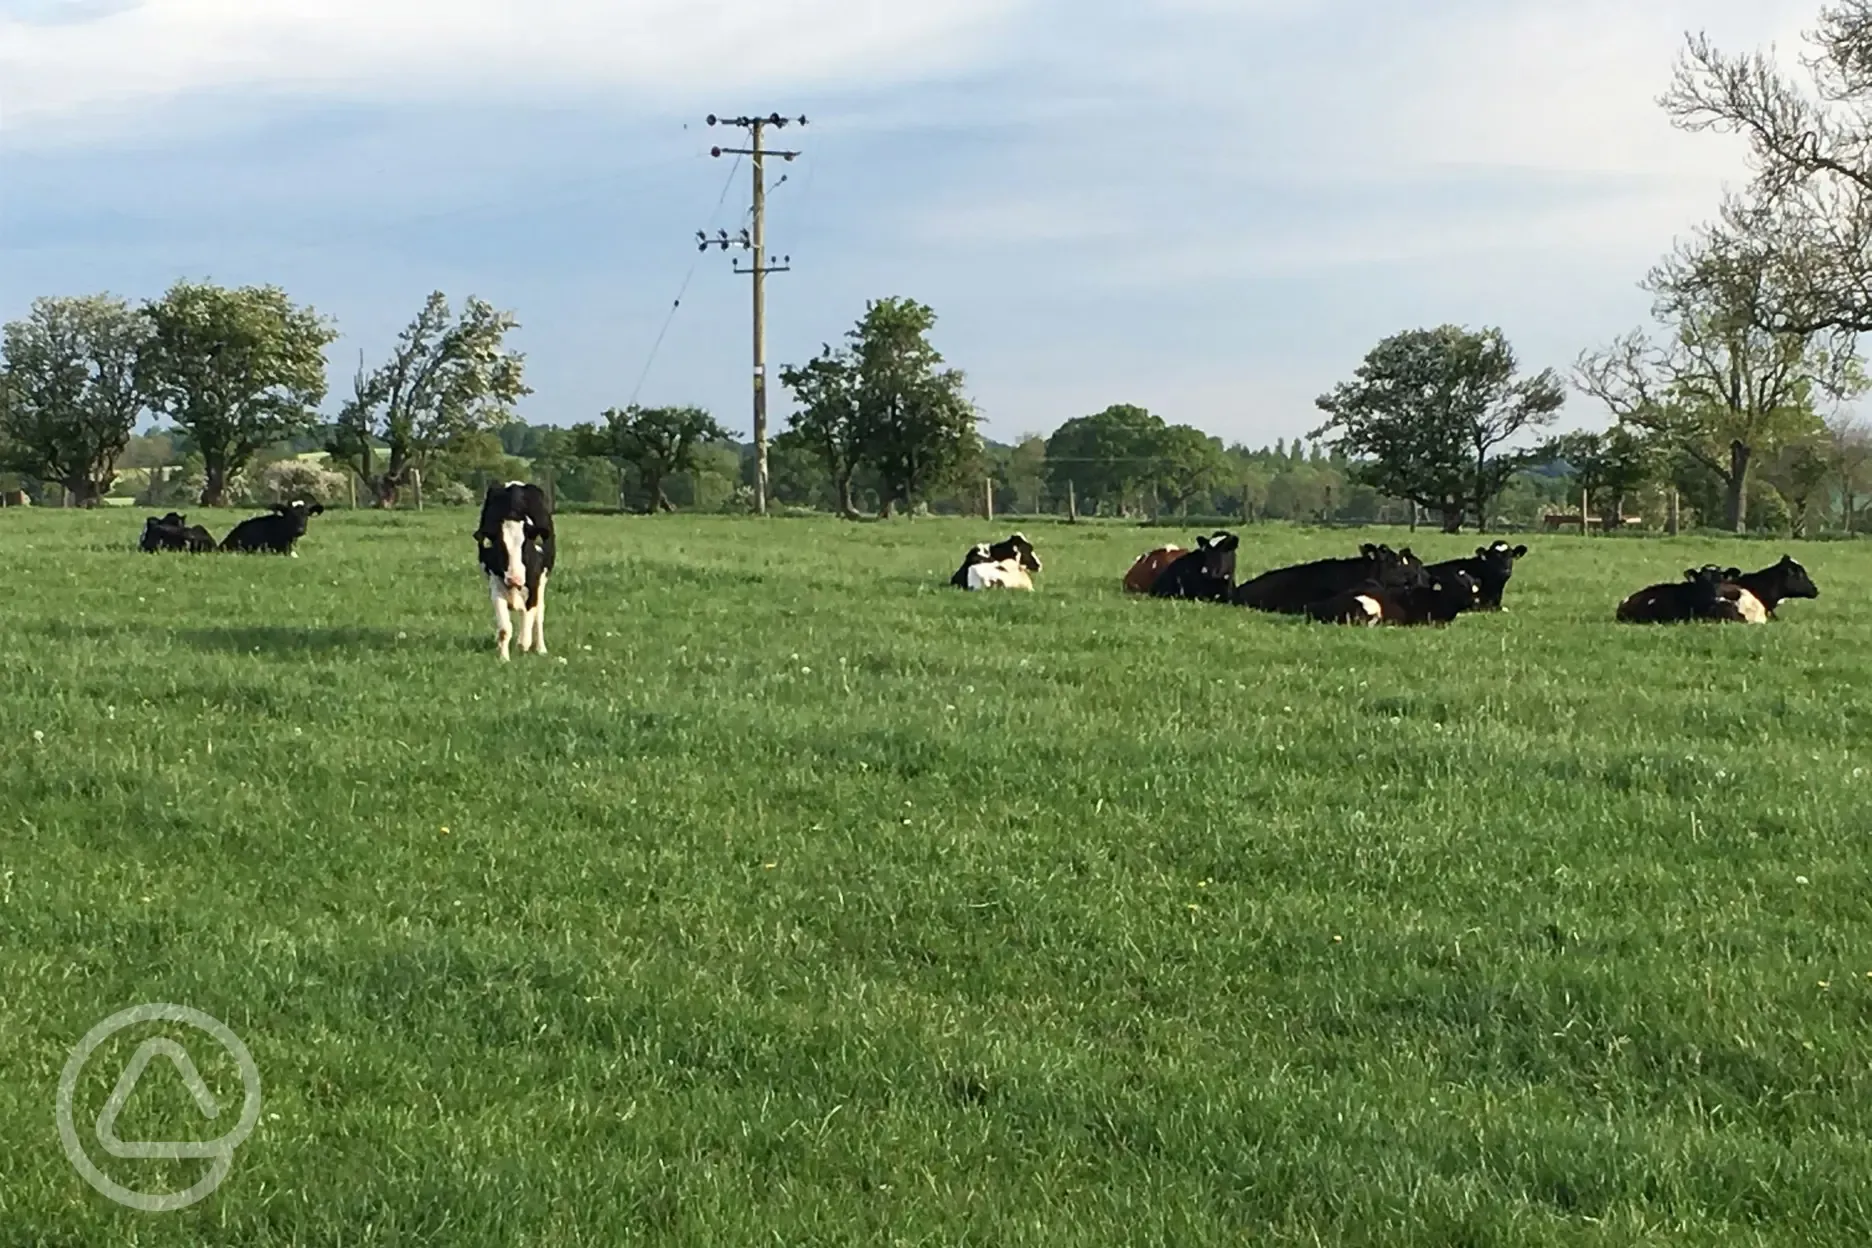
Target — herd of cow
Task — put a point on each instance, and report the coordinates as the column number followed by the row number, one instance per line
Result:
column 1384, row 586
column 515, row 539
column 517, row 548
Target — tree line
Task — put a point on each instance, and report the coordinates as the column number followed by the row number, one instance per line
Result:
column 1732, row 402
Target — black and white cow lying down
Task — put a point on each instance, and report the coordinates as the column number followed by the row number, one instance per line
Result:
column 1717, row 593
column 1490, row 567
column 517, row 550
column 1448, row 595
column 1206, row 574
column 277, row 531
column 173, row 532
column 1005, row 564
column 1291, row 590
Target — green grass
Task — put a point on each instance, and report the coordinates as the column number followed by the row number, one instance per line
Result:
column 798, row 898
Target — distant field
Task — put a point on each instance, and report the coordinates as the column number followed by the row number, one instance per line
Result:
column 798, row 898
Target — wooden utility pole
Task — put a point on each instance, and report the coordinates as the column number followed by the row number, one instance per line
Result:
column 757, row 243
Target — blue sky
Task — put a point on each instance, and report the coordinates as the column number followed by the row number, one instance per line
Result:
column 1212, row 208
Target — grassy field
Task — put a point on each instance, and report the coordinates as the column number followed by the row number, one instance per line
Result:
column 798, row 898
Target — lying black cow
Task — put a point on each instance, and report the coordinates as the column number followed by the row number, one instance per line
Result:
column 276, row 532
column 1008, row 563
column 1761, row 592
column 1705, row 593
column 1442, row 600
column 1290, row 590
column 1490, row 567
column 173, row 532
column 1206, row 574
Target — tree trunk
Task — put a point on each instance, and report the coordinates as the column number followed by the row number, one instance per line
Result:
column 1452, row 517
column 1846, row 504
column 1736, row 505
column 80, row 491
column 214, row 484
column 1615, row 518
column 384, row 492
column 847, row 506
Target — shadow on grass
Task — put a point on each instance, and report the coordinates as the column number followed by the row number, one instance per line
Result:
column 302, row 642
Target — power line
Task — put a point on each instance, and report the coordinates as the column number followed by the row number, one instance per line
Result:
column 683, row 289
column 756, row 242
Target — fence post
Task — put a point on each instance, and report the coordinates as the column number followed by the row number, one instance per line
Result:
column 1072, row 504
column 1672, row 521
column 416, row 480
column 988, row 497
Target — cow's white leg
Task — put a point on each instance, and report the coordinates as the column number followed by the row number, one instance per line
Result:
column 539, row 618
column 503, row 618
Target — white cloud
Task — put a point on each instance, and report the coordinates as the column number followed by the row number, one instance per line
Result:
column 162, row 49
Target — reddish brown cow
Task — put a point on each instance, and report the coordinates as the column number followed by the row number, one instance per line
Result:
column 1149, row 567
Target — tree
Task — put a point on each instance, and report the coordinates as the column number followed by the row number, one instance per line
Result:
column 1429, row 408
column 882, row 402
column 69, row 370
column 826, row 388
column 1719, row 388
column 657, row 441
column 1808, row 215
column 445, row 380
column 1798, row 472
column 236, row 369
column 1851, row 455
column 917, row 427
column 1108, row 457
column 1607, row 467
column 1190, row 465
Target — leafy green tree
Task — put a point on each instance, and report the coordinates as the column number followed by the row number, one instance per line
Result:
column 69, row 373
column 1608, row 467
column 446, row 379
column 1850, row 440
column 917, row 426
column 1429, row 408
column 658, row 442
column 883, row 402
column 1190, row 465
column 1718, row 387
column 238, row 369
column 1108, row 458
column 1799, row 472
column 827, row 421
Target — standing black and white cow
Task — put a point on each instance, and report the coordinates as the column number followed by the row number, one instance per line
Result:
column 277, row 531
column 517, row 548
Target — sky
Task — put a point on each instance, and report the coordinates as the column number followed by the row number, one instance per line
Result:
column 1210, row 208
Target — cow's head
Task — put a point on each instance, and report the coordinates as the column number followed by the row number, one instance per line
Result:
column 1016, row 547
column 1795, row 583
column 1216, row 556
column 1499, row 557
column 1452, row 593
column 296, row 514
column 1399, row 568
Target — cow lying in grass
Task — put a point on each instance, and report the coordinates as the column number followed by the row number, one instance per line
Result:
column 1150, row 565
column 1442, row 600
column 1762, row 591
column 276, row 532
column 1006, row 564
column 1490, row 567
column 1206, row 574
column 1705, row 593
column 173, row 532
column 1291, row 590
